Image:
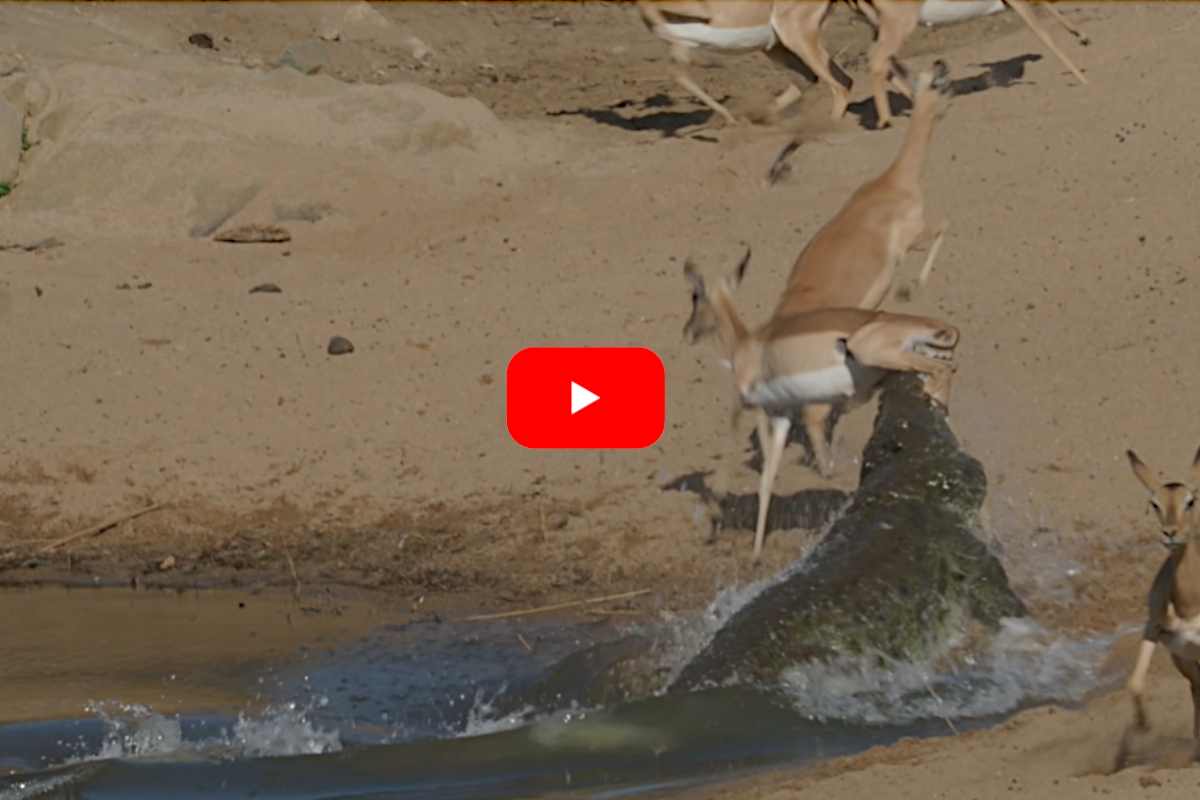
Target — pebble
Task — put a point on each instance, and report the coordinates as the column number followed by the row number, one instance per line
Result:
column 339, row 345
column 270, row 288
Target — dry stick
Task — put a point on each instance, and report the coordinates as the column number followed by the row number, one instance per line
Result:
column 556, row 607
column 101, row 528
column 521, row 639
column 941, row 714
column 292, row 567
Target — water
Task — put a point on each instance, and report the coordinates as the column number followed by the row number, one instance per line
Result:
column 426, row 710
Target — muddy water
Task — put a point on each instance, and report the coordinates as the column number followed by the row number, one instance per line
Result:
column 65, row 647
column 123, row 695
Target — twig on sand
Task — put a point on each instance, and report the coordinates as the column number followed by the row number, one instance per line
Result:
column 521, row 639
column 292, row 566
column 100, row 528
column 556, row 606
column 941, row 714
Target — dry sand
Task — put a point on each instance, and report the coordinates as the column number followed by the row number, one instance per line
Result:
column 465, row 180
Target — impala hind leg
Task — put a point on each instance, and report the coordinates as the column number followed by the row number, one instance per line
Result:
column 897, row 20
column 1066, row 23
column 774, row 444
column 1026, row 13
column 815, row 417
column 798, row 26
column 679, row 54
column 1191, row 671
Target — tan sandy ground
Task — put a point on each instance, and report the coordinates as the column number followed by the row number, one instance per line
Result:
column 441, row 234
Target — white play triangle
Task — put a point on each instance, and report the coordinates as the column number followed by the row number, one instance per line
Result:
column 581, row 398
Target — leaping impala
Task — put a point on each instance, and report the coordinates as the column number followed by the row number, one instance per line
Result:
column 783, row 29
column 852, row 261
column 1174, row 600
column 895, row 20
column 824, row 355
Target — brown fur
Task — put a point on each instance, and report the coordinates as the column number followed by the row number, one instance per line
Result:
column 1174, row 599
column 813, row 341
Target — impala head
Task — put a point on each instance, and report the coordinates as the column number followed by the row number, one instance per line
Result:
column 704, row 320
column 1173, row 503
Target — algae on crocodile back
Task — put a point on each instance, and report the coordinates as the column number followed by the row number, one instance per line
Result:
column 898, row 576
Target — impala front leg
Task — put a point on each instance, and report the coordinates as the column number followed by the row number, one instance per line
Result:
column 780, row 427
column 1137, row 683
column 934, row 231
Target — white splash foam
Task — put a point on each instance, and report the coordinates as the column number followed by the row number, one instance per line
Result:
column 134, row 731
column 483, row 718
column 1023, row 665
column 286, row 731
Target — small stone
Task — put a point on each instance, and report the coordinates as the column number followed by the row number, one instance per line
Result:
column 167, row 563
column 202, row 40
column 339, row 345
column 308, row 56
column 1149, row 780
column 253, row 234
column 31, row 563
column 266, row 287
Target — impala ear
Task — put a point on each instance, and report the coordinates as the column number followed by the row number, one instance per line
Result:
column 740, row 272
column 694, row 278
column 1143, row 473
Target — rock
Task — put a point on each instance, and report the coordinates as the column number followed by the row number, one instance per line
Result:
column 166, row 564
column 12, row 122
column 340, row 345
column 898, row 576
column 201, row 40
column 308, row 56
column 269, row 288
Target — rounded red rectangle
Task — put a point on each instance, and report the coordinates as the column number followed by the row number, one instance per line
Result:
column 586, row 397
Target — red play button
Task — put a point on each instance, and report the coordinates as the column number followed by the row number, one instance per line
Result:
column 586, row 397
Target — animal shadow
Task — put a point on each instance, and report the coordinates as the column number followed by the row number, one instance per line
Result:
column 811, row 509
column 669, row 123
column 1000, row 74
column 797, row 435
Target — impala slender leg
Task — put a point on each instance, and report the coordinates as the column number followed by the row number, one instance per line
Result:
column 1137, row 682
column 1066, row 23
column 936, row 231
column 780, row 426
column 798, row 26
column 682, row 60
column 814, row 417
column 1026, row 14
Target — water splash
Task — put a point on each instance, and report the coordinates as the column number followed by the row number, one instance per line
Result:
column 483, row 717
column 285, row 731
column 131, row 731
column 1024, row 665
column 134, row 731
